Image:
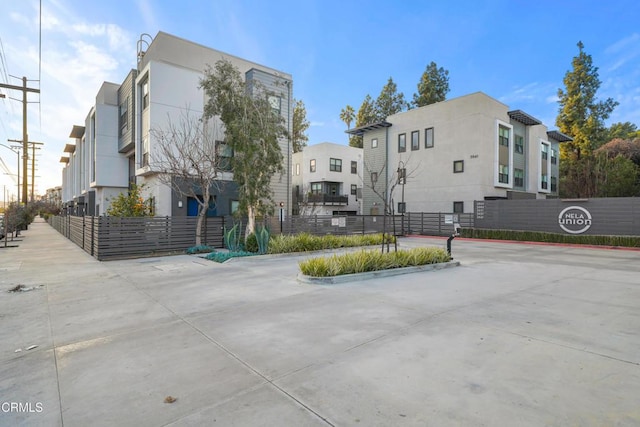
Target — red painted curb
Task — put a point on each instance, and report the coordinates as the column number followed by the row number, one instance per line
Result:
column 566, row 245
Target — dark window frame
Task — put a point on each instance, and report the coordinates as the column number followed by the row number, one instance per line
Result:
column 458, row 207
column 354, row 189
column 458, row 162
column 354, row 167
column 335, row 164
column 429, row 138
column 519, row 144
column 415, row 140
column 402, row 143
column 312, row 165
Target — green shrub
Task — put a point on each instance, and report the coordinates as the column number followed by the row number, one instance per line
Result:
column 305, row 242
column 367, row 260
column 233, row 237
column 251, row 244
column 223, row 256
column 201, row 249
column 538, row 236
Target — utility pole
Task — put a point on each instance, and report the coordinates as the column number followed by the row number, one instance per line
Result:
column 25, row 138
column 33, row 164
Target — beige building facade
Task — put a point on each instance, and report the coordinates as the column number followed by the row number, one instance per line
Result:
column 444, row 156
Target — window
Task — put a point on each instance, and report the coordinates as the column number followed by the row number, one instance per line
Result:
column 544, row 181
column 503, row 136
column 374, row 177
column 224, row 154
column 145, row 150
column 415, row 140
column 402, row 176
column 402, row 143
column 316, row 188
column 458, row 166
column 335, row 165
column 124, row 116
column 545, row 151
column 519, row 144
column 518, row 177
column 554, row 157
column 354, row 189
column 374, row 143
column 402, row 207
column 554, row 183
column 145, row 93
column 312, row 165
column 354, row 167
column 428, row 138
column 235, row 204
column 297, row 168
column 458, row 207
column 503, row 175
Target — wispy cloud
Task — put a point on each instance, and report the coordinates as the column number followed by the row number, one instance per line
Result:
column 316, row 124
column 623, row 51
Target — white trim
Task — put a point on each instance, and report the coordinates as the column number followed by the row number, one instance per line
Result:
column 542, row 142
column 496, row 162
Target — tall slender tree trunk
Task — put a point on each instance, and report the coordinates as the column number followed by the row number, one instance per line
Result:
column 251, row 221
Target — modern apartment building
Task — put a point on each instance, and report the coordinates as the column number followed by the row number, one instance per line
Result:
column 116, row 145
column 444, row 156
column 327, row 180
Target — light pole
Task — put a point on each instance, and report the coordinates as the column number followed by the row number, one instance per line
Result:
column 402, row 179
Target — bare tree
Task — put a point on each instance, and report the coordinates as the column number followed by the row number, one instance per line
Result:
column 191, row 158
column 385, row 189
column 306, row 203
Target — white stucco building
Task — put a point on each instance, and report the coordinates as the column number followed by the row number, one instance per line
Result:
column 455, row 152
column 327, row 180
column 116, row 145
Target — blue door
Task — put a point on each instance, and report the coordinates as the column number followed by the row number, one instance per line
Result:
column 192, row 207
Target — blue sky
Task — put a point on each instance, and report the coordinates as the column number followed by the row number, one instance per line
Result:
column 337, row 51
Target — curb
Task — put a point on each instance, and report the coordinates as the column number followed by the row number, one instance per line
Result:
column 333, row 280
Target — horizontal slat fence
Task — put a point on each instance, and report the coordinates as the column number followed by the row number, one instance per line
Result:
column 110, row 237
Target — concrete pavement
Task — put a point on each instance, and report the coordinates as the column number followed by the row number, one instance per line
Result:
column 519, row 334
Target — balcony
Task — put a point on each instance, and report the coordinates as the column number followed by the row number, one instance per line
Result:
column 328, row 199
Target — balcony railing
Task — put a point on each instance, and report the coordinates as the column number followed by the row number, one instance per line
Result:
column 328, row 199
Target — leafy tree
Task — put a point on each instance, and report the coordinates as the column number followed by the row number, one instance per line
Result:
column 616, row 176
column 389, row 102
column 299, row 126
column 366, row 115
column 347, row 115
column 581, row 115
column 627, row 148
column 131, row 204
column 190, row 161
column 252, row 130
column 626, row 130
column 433, row 86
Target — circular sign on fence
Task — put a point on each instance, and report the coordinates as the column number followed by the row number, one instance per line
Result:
column 574, row 220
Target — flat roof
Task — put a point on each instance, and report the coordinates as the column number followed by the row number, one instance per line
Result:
column 366, row 128
column 77, row 132
column 64, row 159
column 70, row 148
column 559, row 136
column 524, row 118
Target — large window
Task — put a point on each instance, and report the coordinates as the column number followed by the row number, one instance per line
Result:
column 503, row 136
column 503, row 175
column 518, row 177
column 124, row 116
column 428, row 138
column 415, row 140
column 545, row 151
column 145, row 93
column 312, row 165
column 519, row 144
column 402, row 143
column 335, row 165
column 316, row 188
column 224, row 154
column 354, row 167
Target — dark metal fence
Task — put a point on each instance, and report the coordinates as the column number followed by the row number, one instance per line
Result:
column 110, row 238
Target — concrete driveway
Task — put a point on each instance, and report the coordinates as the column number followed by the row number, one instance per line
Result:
column 519, row 334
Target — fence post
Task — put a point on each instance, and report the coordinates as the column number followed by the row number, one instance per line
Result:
column 439, row 223
column 93, row 223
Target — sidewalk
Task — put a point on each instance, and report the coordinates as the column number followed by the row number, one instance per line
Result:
column 517, row 335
